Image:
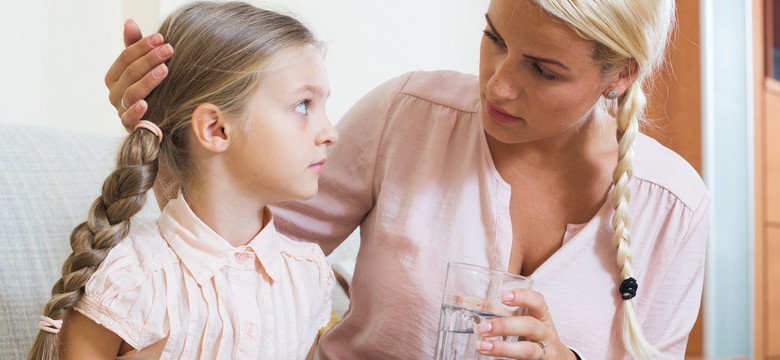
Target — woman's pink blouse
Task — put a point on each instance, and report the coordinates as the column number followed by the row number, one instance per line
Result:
column 175, row 289
column 412, row 168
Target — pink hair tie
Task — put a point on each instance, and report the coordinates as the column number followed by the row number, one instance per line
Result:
column 148, row 125
column 50, row 325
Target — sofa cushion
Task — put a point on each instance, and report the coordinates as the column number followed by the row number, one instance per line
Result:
column 48, row 179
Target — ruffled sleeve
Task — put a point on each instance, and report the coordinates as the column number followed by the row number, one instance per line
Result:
column 312, row 261
column 127, row 292
column 327, row 281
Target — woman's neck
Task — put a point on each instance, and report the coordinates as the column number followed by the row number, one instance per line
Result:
column 591, row 141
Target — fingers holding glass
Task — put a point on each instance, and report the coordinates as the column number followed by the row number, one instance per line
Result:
column 532, row 325
column 527, row 350
column 531, row 301
column 526, row 329
column 471, row 298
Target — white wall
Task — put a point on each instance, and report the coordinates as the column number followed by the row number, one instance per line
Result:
column 56, row 52
column 54, row 57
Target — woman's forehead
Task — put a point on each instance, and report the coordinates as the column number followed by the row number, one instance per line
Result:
column 524, row 23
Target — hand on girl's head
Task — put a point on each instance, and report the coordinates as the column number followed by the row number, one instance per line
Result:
column 136, row 72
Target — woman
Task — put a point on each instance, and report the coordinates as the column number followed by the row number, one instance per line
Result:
column 529, row 168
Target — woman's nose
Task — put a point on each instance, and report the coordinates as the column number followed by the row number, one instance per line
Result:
column 504, row 84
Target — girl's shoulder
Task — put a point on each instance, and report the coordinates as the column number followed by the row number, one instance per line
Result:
column 132, row 263
column 300, row 250
column 307, row 257
column 129, row 287
column 312, row 265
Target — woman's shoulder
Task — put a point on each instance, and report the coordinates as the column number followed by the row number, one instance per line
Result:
column 662, row 167
column 445, row 87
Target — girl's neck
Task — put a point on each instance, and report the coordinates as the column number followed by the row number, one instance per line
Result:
column 236, row 217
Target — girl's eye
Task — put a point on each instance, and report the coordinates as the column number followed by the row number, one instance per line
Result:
column 302, row 108
column 544, row 74
column 492, row 37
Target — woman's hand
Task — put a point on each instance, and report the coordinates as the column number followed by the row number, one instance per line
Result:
column 136, row 72
column 537, row 327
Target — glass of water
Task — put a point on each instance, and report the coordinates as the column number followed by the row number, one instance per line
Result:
column 472, row 295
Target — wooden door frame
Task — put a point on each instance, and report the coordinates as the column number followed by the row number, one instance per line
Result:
column 759, row 74
column 765, row 86
column 675, row 108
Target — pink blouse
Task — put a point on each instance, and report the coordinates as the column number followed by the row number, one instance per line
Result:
column 412, row 168
column 175, row 289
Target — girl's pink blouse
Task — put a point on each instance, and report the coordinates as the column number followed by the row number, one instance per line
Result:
column 175, row 289
column 412, row 168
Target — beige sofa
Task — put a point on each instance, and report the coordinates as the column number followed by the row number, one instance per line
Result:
column 48, row 179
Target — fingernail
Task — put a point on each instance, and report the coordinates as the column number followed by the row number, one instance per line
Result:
column 139, row 107
column 485, row 346
column 155, row 40
column 484, row 328
column 159, row 71
column 507, row 296
column 164, row 51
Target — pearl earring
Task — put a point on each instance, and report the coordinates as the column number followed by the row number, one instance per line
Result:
column 612, row 94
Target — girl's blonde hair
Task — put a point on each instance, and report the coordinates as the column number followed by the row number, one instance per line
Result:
column 623, row 30
column 223, row 53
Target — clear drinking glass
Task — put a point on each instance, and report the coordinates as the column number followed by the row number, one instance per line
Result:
column 472, row 294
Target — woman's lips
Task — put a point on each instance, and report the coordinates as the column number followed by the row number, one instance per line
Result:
column 500, row 115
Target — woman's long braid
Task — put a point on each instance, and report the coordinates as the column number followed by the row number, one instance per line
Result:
column 123, row 196
column 630, row 105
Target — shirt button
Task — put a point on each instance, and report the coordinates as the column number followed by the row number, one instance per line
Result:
column 251, row 330
column 242, row 258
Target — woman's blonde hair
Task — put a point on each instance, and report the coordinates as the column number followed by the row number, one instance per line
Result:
column 223, row 53
column 623, row 31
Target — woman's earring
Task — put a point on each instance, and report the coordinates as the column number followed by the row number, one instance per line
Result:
column 612, row 94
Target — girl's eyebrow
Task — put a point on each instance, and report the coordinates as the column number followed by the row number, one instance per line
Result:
column 315, row 90
column 535, row 58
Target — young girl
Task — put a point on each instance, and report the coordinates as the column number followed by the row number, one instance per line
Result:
column 238, row 123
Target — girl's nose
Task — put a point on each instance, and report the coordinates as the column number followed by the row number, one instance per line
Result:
column 327, row 135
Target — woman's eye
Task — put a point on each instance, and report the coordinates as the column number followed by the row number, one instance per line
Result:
column 544, row 74
column 302, row 108
column 492, row 37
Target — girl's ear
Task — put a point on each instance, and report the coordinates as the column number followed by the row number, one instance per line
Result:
column 623, row 79
column 210, row 127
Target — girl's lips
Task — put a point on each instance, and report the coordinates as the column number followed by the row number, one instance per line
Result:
column 500, row 115
column 318, row 165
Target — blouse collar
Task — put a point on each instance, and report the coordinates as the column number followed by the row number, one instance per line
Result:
column 204, row 252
